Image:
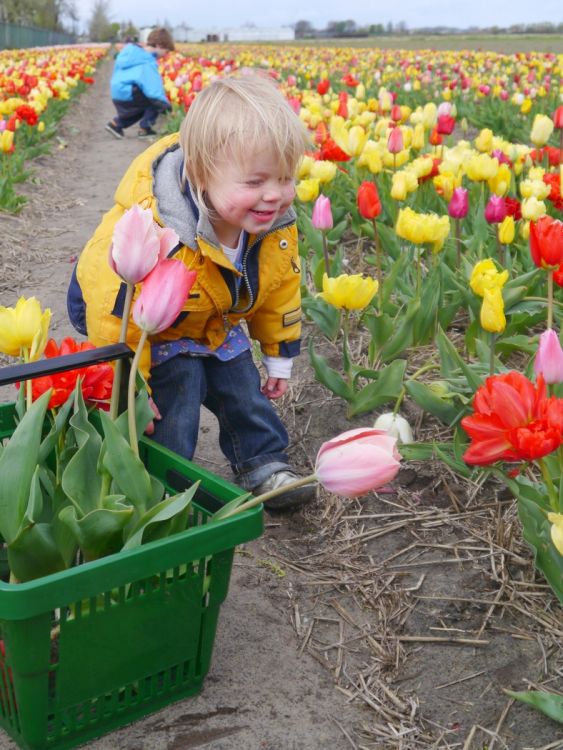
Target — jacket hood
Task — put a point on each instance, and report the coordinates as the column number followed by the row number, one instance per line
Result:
column 132, row 55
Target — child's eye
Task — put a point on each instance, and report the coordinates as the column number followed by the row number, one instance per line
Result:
column 254, row 183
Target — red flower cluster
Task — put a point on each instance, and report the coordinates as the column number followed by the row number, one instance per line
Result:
column 553, row 179
column 513, row 420
column 97, row 380
column 330, row 151
column 27, row 114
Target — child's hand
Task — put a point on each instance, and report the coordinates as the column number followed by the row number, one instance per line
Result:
column 149, row 429
column 274, row 387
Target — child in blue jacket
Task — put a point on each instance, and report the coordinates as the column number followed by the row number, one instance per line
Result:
column 136, row 86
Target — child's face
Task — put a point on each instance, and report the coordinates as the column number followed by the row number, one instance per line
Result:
column 250, row 196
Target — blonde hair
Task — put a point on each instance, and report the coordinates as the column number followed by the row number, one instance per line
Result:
column 233, row 117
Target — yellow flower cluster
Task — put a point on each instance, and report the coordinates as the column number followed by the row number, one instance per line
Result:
column 423, row 228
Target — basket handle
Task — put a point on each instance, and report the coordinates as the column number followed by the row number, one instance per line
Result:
column 31, row 370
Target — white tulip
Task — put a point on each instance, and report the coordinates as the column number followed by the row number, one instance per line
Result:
column 395, row 426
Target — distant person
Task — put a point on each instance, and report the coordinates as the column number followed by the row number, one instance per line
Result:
column 137, row 90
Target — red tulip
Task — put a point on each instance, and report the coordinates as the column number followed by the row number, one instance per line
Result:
column 357, row 461
column 513, row 420
column 323, row 86
column 162, row 296
column 445, row 124
column 558, row 117
column 96, row 380
column 369, row 204
column 330, row 151
column 513, row 207
column 546, row 242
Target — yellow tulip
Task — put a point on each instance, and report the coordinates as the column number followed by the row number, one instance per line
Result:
column 485, row 276
column 24, row 329
column 6, row 141
column 492, row 311
column 532, row 208
column 305, row 167
column 556, row 521
column 307, row 190
column 542, row 128
column 40, row 127
column 349, row 291
column 524, row 230
column 534, row 188
column 422, row 228
column 481, row 168
column 484, row 141
column 506, row 230
column 500, row 183
column 418, row 141
column 396, row 160
column 526, row 106
column 323, row 171
column 357, row 138
column 399, row 186
column 360, row 91
column 446, row 183
column 429, row 115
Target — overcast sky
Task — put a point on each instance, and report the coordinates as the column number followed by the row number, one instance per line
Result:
column 415, row 13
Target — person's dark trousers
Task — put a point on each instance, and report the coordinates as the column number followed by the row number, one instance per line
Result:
column 251, row 435
column 140, row 109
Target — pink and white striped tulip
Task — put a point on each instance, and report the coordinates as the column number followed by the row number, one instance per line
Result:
column 162, row 296
column 138, row 244
column 549, row 358
column 357, row 461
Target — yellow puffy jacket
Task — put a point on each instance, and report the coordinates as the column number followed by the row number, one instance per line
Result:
column 268, row 296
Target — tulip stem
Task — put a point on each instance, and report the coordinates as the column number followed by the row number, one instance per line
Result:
column 345, row 347
column 500, row 251
column 325, row 253
column 550, row 299
column 551, row 491
column 492, row 343
column 254, row 501
column 377, row 265
column 458, row 241
column 131, row 394
column 116, row 387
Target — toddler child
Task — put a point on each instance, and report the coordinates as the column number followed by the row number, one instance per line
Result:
column 225, row 184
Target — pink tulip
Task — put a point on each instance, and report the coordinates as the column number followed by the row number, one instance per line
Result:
column 138, row 244
column 495, row 210
column 322, row 214
column 162, row 296
column 459, row 203
column 549, row 358
column 357, row 461
column 395, row 141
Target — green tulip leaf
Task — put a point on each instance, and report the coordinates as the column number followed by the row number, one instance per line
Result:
column 17, row 467
column 451, row 362
column 128, row 471
column 329, row 377
column 230, row 507
column 164, row 511
column 550, row 704
column 325, row 316
column 424, row 324
column 425, row 397
column 100, row 532
column 59, row 424
column 386, row 387
column 536, row 530
column 34, row 553
column 81, row 480
column 403, row 337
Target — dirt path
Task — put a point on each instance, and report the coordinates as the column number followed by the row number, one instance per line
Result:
column 419, row 604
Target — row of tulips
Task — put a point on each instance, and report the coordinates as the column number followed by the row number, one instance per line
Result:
column 36, row 87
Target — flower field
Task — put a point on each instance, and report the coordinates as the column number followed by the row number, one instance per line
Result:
column 429, row 211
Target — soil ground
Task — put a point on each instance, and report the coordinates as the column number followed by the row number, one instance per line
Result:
column 391, row 622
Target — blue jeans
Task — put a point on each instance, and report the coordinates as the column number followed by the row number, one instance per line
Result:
column 251, row 435
column 139, row 108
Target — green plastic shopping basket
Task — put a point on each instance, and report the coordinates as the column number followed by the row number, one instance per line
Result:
column 100, row 645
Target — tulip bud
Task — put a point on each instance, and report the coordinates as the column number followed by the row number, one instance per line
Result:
column 459, row 204
column 395, row 426
column 395, row 141
column 558, row 117
column 369, row 204
column 322, row 214
column 549, row 358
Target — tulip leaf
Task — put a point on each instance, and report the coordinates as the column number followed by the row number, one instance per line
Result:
column 59, row 423
column 17, row 467
column 99, row 532
column 451, row 361
column 327, row 376
column 81, row 480
column 425, row 397
column 403, row 337
column 536, row 530
column 34, row 553
column 128, row 471
column 386, row 387
column 230, row 507
column 164, row 511
column 551, row 704
column 380, row 328
column 424, row 324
